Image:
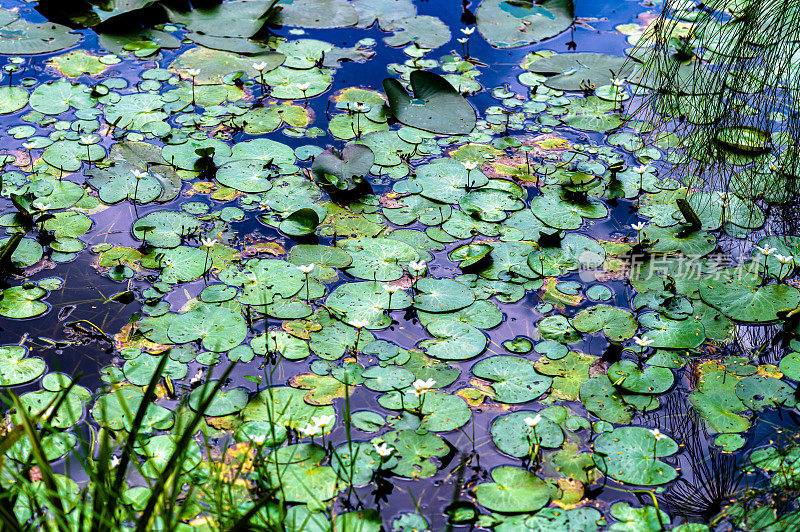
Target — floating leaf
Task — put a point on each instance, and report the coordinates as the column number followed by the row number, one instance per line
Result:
column 630, row 455
column 436, row 105
column 509, row 24
column 515, row 379
column 513, row 490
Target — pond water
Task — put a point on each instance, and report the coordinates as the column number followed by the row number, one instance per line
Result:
column 477, row 301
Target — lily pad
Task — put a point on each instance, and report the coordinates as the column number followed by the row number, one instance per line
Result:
column 509, row 24
column 630, row 455
column 513, row 490
column 436, row 105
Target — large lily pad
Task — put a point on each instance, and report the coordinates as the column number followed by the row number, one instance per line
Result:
column 509, row 24
column 436, row 105
column 513, row 490
column 630, row 455
column 738, row 293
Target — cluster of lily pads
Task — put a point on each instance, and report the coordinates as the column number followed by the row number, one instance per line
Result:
column 434, row 264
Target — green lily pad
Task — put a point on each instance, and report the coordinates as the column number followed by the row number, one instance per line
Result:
column 345, row 170
column 514, row 379
column 219, row 328
column 737, row 293
column 573, row 71
column 512, row 434
column 22, row 302
column 224, row 402
column 648, row 380
column 416, row 452
column 509, row 24
column 436, row 105
column 630, row 455
column 616, row 323
column 16, row 368
column 12, row 99
column 513, row 490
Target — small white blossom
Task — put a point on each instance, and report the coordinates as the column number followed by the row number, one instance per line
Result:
column 303, row 86
column 657, row 434
column 468, row 31
column 208, row 242
column 114, row 462
column 618, row 82
column 40, row 206
column 194, row 72
column 638, row 226
column 360, row 324
column 533, row 421
column 306, row 269
column 310, row 430
column 421, row 387
column 470, row 165
column 89, row 139
column 323, row 421
column 641, row 169
column 258, row 439
column 417, row 268
column 138, row 175
column 463, row 40
column 361, row 107
column 382, row 449
column 28, row 145
column 259, row 66
column 642, row 342
column 784, row 259
column 766, row 251
column 391, row 288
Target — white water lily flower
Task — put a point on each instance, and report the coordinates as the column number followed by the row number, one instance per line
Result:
column 28, row 145
column 40, row 206
column 306, row 269
column 533, row 421
column 640, row 169
column 421, row 387
column 310, row 430
column 360, row 324
column 463, row 40
column 114, row 462
column 618, row 82
column 383, row 449
column 361, row 107
column 259, row 66
column 194, row 72
column 638, row 226
column 391, row 288
column 470, row 165
column 642, row 342
column 657, row 434
column 303, row 86
column 766, row 251
column 208, row 242
column 468, row 31
column 417, row 268
column 784, row 259
column 137, row 174
column 323, row 421
column 258, row 439
column 89, row 139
